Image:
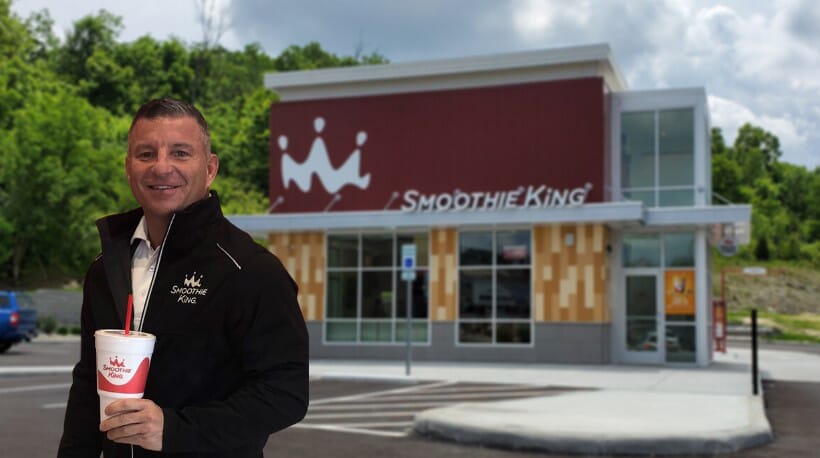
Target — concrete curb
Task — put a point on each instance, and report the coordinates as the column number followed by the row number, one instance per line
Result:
column 516, row 430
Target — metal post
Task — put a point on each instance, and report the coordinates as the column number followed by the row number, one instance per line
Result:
column 407, row 328
column 754, row 352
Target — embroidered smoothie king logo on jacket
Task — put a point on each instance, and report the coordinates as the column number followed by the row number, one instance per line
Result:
column 191, row 289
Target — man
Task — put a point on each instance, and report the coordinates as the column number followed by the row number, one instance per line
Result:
column 230, row 362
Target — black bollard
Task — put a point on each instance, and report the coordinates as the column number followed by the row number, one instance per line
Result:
column 754, row 352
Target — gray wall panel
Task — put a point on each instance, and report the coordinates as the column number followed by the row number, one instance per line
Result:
column 572, row 343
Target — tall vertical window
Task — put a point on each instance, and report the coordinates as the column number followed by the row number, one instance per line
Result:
column 494, row 304
column 658, row 157
column 366, row 298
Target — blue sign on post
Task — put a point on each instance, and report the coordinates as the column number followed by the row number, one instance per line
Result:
column 408, row 262
column 408, row 274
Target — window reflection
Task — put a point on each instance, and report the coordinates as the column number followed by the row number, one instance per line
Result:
column 475, row 332
column 475, row 293
column 512, row 247
column 343, row 251
column 476, row 248
column 641, row 250
column 513, row 293
column 341, row 294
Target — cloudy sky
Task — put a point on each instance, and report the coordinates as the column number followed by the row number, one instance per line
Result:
column 759, row 60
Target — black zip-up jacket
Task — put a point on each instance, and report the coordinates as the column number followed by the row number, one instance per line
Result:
column 230, row 364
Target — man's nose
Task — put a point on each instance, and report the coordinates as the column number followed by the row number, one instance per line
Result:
column 163, row 164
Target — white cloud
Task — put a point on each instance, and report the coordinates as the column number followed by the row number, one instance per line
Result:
column 729, row 115
column 761, row 57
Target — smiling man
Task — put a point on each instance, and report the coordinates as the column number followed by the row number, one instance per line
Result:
column 230, row 362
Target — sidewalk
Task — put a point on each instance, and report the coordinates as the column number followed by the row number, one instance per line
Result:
column 633, row 409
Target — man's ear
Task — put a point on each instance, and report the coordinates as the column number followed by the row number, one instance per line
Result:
column 213, row 167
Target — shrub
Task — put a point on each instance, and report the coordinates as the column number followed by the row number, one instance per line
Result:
column 47, row 324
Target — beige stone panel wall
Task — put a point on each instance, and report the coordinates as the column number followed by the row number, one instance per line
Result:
column 303, row 255
column 443, row 273
column 570, row 273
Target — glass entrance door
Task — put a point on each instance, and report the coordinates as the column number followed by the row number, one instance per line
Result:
column 642, row 318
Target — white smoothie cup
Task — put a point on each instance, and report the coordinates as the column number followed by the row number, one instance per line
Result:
column 122, row 364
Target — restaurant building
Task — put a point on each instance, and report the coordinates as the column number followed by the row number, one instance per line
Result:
column 557, row 216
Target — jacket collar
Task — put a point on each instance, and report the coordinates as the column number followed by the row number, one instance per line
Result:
column 189, row 227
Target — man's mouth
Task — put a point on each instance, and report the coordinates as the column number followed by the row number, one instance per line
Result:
column 162, row 187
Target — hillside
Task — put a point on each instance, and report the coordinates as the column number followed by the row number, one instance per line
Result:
column 787, row 289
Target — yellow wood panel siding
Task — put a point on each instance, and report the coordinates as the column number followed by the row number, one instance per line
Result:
column 570, row 280
column 303, row 254
column 443, row 273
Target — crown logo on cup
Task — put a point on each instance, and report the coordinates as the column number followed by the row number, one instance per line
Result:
column 116, row 362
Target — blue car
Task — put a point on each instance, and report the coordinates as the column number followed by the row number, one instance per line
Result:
column 18, row 319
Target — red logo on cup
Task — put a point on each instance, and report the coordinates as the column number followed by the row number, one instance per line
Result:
column 114, row 362
column 134, row 386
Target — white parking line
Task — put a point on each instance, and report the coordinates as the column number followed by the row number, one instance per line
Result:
column 310, row 416
column 369, row 432
column 24, row 389
column 484, row 389
column 54, row 405
column 476, row 396
column 377, row 405
column 378, row 393
column 381, row 424
column 361, row 413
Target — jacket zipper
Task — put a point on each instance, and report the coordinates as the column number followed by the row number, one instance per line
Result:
column 154, row 274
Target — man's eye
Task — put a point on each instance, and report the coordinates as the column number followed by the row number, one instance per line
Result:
column 181, row 153
column 144, row 154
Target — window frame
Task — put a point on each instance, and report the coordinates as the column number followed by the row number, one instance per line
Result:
column 494, row 320
column 359, row 270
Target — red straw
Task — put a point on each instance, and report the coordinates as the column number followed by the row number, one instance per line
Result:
column 128, row 314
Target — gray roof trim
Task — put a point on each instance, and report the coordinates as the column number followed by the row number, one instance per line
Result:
column 509, row 68
column 612, row 213
column 625, row 212
column 699, row 216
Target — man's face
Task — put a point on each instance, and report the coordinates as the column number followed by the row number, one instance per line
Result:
column 167, row 165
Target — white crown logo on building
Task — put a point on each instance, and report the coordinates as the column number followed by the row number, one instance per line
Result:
column 318, row 162
column 193, row 282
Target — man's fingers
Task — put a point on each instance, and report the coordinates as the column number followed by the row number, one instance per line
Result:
column 125, row 405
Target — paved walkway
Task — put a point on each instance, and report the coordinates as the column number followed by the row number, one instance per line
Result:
column 632, row 409
column 625, row 409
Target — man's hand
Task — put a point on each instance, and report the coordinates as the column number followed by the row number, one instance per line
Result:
column 134, row 421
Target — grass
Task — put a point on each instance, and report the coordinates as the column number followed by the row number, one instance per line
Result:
column 803, row 327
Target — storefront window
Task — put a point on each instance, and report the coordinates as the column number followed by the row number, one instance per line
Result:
column 658, row 157
column 679, row 249
column 495, row 287
column 676, row 147
column 642, row 250
column 366, row 298
column 638, row 149
column 343, row 251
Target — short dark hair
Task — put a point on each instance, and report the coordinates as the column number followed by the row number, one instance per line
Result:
column 172, row 108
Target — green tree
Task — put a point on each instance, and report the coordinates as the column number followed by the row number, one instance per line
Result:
column 311, row 56
column 61, row 168
column 89, row 34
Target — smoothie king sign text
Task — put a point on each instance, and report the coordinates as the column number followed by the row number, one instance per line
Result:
column 529, row 197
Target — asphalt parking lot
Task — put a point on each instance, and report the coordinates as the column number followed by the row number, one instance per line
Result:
column 356, row 418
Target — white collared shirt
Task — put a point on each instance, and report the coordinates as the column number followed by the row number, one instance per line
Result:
column 143, row 263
